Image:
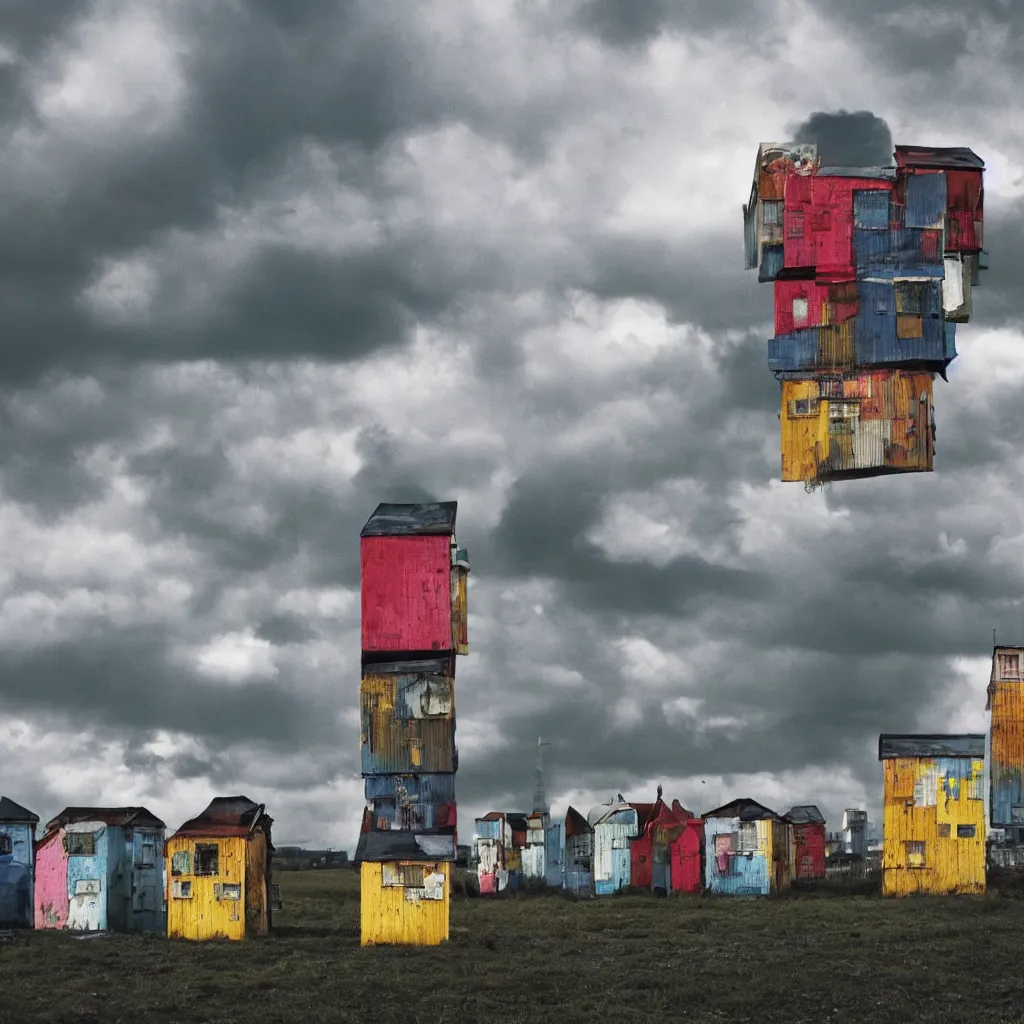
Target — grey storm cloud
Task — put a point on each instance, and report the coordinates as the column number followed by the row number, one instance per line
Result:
column 847, row 138
column 361, row 238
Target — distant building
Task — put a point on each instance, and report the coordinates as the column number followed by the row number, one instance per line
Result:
column 855, row 825
column 100, row 869
column 17, row 864
column 747, row 849
column 934, row 813
column 219, row 872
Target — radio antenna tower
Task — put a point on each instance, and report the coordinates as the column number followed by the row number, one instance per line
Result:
column 540, row 797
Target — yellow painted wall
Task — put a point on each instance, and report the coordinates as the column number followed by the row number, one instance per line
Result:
column 202, row 916
column 776, row 839
column 460, row 611
column 1007, row 703
column 387, row 917
column 804, row 438
column 951, row 864
column 257, row 886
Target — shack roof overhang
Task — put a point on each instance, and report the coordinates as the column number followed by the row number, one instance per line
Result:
column 892, row 745
column 227, row 816
column 428, row 519
column 805, row 814
column 745, row 809
column 14, row 813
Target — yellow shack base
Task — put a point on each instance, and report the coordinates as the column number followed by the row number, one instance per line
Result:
column 404, row 903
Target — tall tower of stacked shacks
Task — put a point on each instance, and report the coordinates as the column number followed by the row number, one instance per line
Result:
column 873, row 268
column 414, row 623
column 1006, row 764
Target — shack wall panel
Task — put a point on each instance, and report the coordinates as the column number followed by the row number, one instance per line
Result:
column 729, row 871
column 88, row 880
column 51, row 884
column 394, row 915
column 1006, row 772
column 406, row 593
column 946, row 862
column 202, row 916
column 16, row 869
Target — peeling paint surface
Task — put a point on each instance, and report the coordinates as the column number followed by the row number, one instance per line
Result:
column 404, row 903
column 933, row 823
column 1006, row 703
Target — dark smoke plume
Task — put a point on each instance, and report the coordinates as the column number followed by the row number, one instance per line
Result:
column 847, row 139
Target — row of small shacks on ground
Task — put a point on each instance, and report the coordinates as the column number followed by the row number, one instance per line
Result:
column 98, row 869
column 414, row 623
column 933, row 825
column 742, row 848
column 872, row 269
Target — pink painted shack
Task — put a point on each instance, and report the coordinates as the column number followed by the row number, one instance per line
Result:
column 100, row 869
column 414, row 581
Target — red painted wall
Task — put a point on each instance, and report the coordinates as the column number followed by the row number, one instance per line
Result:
column 687, row 873
column 406, row 593
column 640, row 872
column 810, row 850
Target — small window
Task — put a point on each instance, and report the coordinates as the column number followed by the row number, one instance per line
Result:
column 80, row 844
column 206, row 859
column 403, row 875
column 147, row 853
column 227, row 891
column 926, row 787
column 6, row 846
column 800, row 312
column 915, row 853
column 748, row 837
column 944, row 830
column 965, row 831
column 181, row 890
column 840, row 428
column 1009, row 666
column 803, row 407
column 181, row 863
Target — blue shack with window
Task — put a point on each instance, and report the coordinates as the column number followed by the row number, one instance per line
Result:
column 17, row 849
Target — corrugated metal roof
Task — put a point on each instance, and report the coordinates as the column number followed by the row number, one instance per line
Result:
column 745, row 809
column 402, row 845
column 931, row 745
column 389, row 520
column 11, row 811
column 953, row 157
column 805, row 814
column 227, row 816
column 139, row 816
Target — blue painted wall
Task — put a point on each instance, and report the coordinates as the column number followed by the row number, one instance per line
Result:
column 16, row 891
column 746, row 874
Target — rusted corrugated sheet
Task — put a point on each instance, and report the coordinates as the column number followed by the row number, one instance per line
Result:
column 1006, row 704
column 933, row 814
column 408, row 723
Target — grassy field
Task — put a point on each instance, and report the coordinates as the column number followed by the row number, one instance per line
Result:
column 808, row 957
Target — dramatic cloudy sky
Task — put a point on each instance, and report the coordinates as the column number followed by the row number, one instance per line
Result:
column 266, row 263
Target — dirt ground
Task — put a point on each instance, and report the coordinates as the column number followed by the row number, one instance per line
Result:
column 818, row 956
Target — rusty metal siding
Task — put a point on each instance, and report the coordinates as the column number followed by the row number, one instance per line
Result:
column 404, row 903
column 407, row 723
column 933, row 824
column 1006, row 772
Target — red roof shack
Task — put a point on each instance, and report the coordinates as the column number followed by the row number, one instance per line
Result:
column 666, row 855
column 808, row 840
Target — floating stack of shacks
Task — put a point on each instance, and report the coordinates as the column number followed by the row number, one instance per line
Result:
column 1006, row 808
column 873, row 268
column 414, row 623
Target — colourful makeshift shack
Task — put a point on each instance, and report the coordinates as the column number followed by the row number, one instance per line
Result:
column 1006, row 768
column 99, row 869
column 17, row 864
column 614, row 824
column 933, row 832
column 666, row 855
column 578, row 854
column 808, row 840
column 218, row 872
column 748, row 849
column 501, row 838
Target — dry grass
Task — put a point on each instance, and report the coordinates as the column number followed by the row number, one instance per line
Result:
column 816, row 956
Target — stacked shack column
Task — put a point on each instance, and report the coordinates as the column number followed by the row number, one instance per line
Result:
column 414, row 623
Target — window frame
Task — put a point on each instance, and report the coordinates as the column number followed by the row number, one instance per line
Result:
column 199, row 849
